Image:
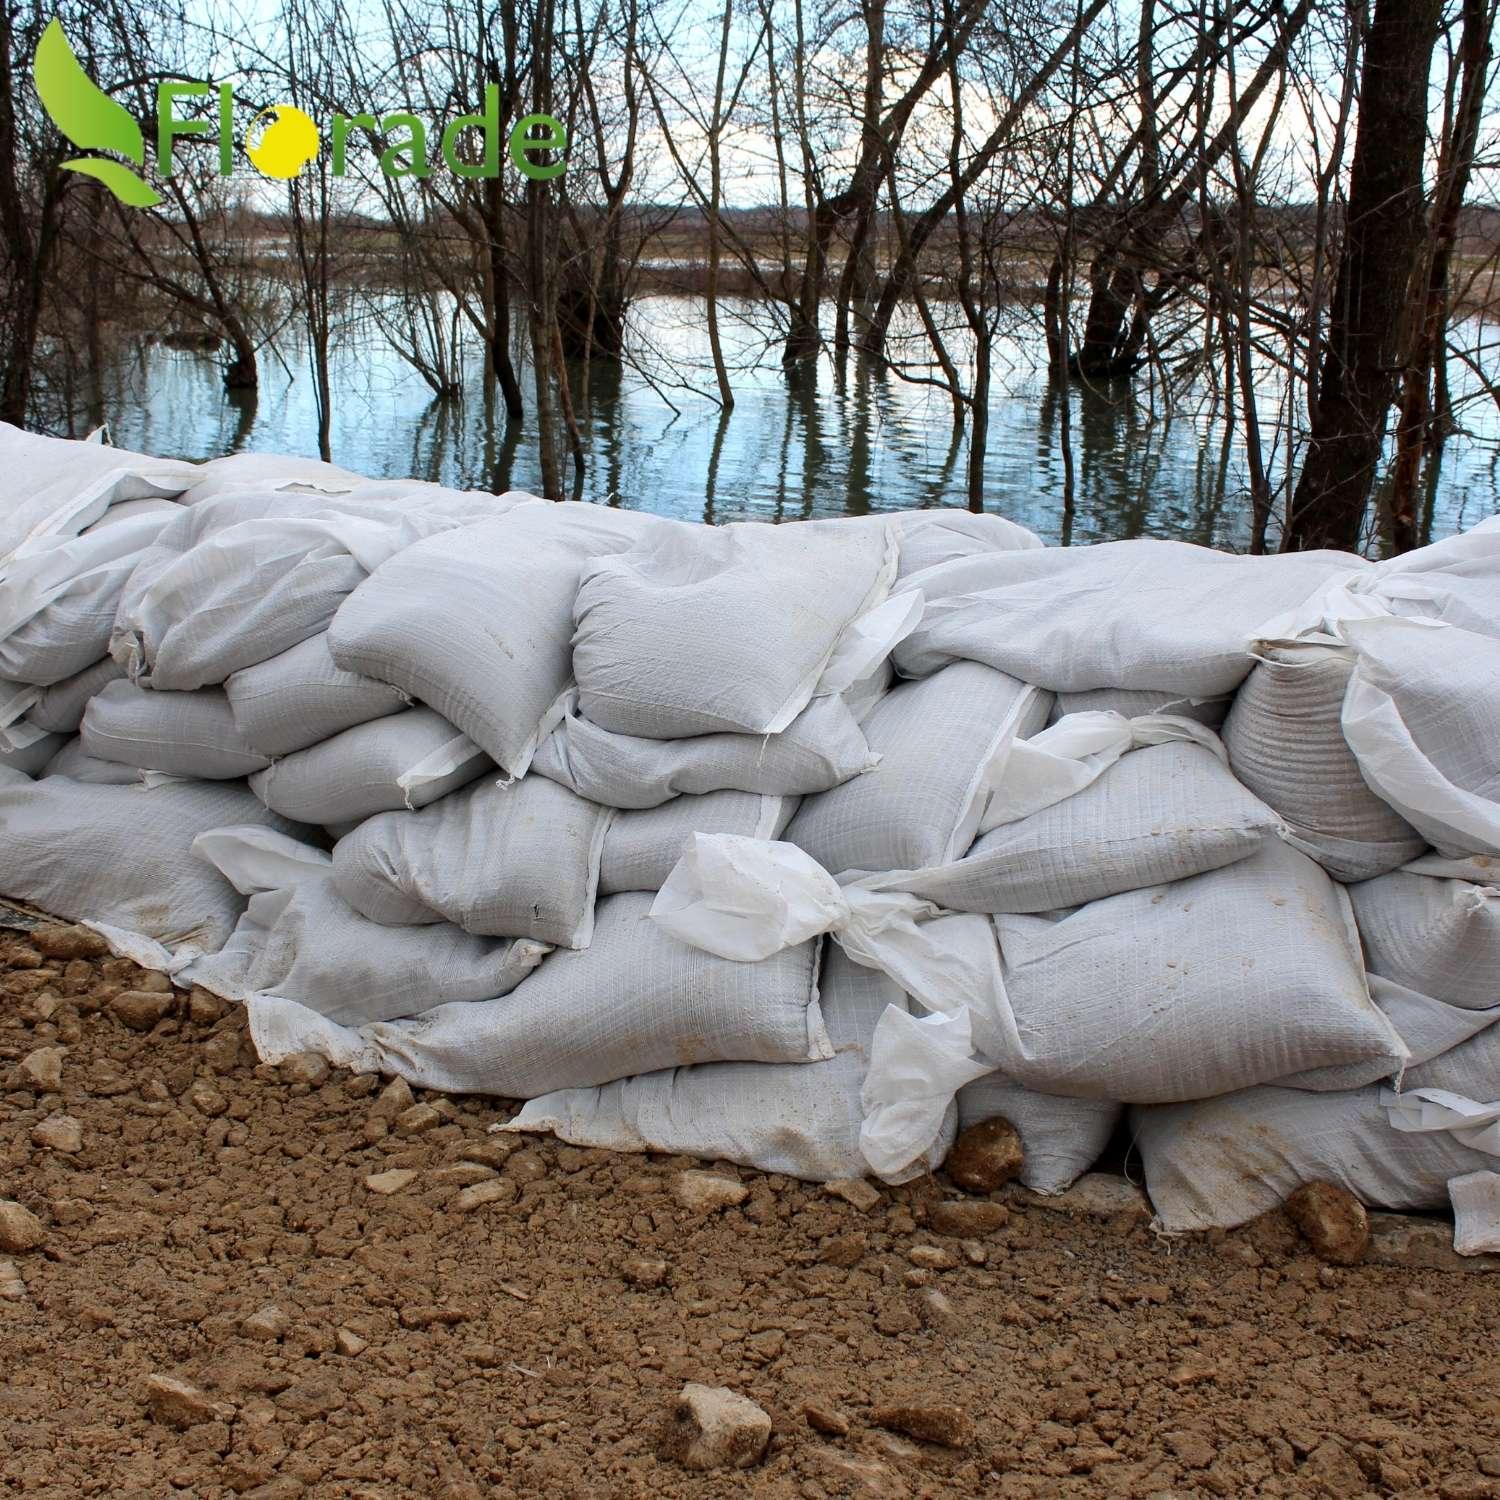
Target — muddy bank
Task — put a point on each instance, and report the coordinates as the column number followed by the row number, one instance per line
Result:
column 361, row 1293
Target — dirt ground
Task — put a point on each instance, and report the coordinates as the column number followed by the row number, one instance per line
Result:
column 371, row 1296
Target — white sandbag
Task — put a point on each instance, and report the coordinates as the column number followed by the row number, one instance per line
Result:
column 1132, row 703
column 1161, row 813
column 406, row 760
column 304, row 944
column 929, row 537
column 1286, row 743
column 1422, row 715
column 633, row 1002
column 1225, row 1161
column 254, row 586
column 1137, row 614
column 180, row 734
column 822, row 747
column 801, row 1119
column 500, row 859
column 478, row 622
column 119, row 858
column 661, row 648
column 1455, row 581
column 71, row 760
column 641, row 846
column 1061, row 1138
column 940, row 743
column 1247, row 974
column 1434, row 933
column 60, row 596
column 1476, row 1213
column 274, row 471
column 54, row 487
column 302, row 696
column 59, row 709
column 28, row 748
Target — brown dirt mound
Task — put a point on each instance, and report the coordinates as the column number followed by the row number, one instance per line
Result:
column 282, row 1282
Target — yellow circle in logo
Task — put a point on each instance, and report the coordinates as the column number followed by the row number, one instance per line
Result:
column 286, row 145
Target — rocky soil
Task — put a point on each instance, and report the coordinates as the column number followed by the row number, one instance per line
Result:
column 220, row 1278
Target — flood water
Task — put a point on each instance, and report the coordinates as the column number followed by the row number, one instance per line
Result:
column 816, row 442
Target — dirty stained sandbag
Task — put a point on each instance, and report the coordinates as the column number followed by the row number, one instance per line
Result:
column 499, row 859
column 940, row 741
column 634, row 1001
column 177, row 734
column 120, row 859
column 1286, row 743
column 406, row 760
column 641, row 846
column 1222, row 1162
column 478, row 622
column 58, row 599
column 255, row 585
column 303, row 943
column 60, row 708
column 823, row 746
column 1131, row 703
column 1062, row 1138
column 1161, row 813
column 302, row 697
column 1139, row 614
column 661, row 647
column 801, row 1119
column 1247, row 974
column 1435, row 928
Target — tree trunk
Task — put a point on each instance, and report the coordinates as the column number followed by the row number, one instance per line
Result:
column 1381, row 244
column 1415, row 423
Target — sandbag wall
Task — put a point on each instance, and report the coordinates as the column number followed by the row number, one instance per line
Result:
column 799, row 846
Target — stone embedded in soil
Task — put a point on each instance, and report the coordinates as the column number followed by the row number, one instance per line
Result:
column 855, row 1191
column 643, row 1270
column 1097, row 1195
column 349, row 1343
column 493, row 1190
column 712, row 1427
column 964, row 1218
column 937, row 1422
column 12, row 1287
column 494, row 1151
column 936, row 1311
column 986, row 1156
column 179, row 1404
column 417, row 1119
column 386, row 1183
column 222, row 1051
column 1332, row 1220
column 66, row 941
column 932, row 1257
column 707, row 1192
column 140, row 1010
column 205, row 1007
column 20, row 1229
column 305, row 1067
column 826, row 1419
column 269, row 1323
column 395, row 1098
column 41, row 1070
column 59, row 1133
column 460, row 1174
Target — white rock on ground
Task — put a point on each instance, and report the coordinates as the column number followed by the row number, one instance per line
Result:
column 712, row 1427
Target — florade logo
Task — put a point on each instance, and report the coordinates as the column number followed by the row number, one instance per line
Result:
column 288, row 138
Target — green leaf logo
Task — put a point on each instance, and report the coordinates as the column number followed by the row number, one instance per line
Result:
column 90, row 119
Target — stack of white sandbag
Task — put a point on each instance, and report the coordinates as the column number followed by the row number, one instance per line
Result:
column 800, row 845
